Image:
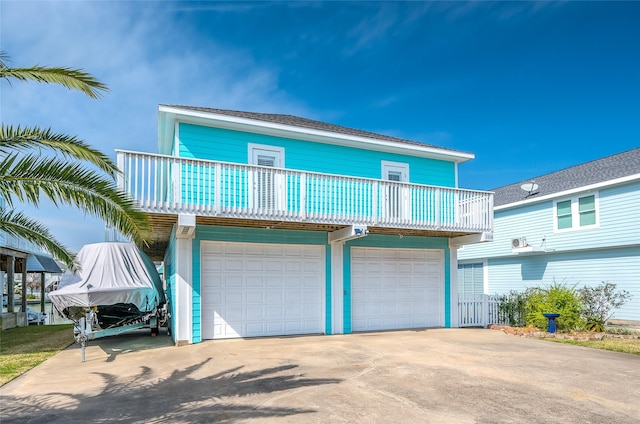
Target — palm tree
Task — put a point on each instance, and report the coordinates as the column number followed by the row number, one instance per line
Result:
column 66, row 174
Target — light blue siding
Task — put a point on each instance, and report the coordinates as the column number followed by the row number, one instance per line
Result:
column 407, row 242
column 619, row 226
column 609, row 252
column 232, row 146
column 619, row 266
column 252, row 235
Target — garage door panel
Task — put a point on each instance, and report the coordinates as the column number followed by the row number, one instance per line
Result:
column 255, row 266
column 230, row 297
column 251, row 290
column 407, row 293
column 274, row 312
column 274, row 297
column 273, row 266
column 255, row 313
column 274, row 282
column 254, row 297
column 233, row 281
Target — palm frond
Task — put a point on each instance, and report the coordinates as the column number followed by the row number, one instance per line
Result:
column 24, row 138
column 19, row 225
column 74, row 79
column 62, row 182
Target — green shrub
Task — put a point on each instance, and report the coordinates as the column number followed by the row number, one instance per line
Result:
column 511, row 308
column 555, row 299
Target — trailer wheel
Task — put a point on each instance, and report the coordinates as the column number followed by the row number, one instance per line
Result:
column 153, row 324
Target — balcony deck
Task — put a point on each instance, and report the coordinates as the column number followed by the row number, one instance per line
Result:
column 220, row 193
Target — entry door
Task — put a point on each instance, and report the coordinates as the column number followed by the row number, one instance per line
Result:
column 268, row 186
column 396, row 205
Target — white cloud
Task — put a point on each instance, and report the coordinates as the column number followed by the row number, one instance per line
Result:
column 145, row 58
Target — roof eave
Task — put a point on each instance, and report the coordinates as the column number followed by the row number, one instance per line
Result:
column 168, row 115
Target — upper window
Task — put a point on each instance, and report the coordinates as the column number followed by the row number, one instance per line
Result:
column 263, row 155
column 576, row 213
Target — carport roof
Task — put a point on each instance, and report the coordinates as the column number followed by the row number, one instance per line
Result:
column 41, row 263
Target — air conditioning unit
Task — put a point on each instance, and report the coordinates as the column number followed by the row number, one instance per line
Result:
column 518, row 243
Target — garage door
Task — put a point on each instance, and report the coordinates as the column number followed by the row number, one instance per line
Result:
column 396, row 288
column 251, row 290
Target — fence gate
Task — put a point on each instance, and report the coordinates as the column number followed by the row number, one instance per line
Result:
column 478, row 310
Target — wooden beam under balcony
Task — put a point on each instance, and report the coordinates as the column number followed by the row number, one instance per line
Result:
column 163, row 224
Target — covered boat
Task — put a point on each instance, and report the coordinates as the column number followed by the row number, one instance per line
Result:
column 115, row 280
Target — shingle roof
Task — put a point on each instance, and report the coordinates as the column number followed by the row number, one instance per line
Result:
column 597, row 171
column 296, row 121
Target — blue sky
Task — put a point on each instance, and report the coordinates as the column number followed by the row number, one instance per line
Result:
column 529, row 88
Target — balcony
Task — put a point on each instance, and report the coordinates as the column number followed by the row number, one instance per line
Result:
column 236, row 194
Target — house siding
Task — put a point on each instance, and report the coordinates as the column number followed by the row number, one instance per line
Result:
column 619, row 226
column 202, row 142
column 609, row 252
column 587, row 268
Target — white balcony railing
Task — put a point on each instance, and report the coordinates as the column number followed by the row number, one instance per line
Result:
column 167, row 184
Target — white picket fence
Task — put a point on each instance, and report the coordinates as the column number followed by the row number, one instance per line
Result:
column 478, row 310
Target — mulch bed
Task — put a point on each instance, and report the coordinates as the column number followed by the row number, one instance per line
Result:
column 533, row 332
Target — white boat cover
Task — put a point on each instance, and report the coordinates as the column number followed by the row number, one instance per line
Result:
column 110, row 273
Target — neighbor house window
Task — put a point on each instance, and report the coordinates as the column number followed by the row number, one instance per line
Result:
column 576, row 213
column 471, row 278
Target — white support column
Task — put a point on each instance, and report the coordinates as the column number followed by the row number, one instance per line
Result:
column 183, row 290
column 453, row 273
column 337, row 288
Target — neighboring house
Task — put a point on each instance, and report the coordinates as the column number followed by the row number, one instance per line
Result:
column 274, row 225
column 17, row 258
column 579, row 226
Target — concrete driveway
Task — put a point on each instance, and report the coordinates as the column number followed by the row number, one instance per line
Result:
column 433, row 375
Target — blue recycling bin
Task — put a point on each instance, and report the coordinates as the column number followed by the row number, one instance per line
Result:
column 551, row 327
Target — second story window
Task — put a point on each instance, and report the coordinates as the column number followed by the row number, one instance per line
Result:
column 576, row 213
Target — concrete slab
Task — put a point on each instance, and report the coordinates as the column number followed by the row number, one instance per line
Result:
column 433, row 375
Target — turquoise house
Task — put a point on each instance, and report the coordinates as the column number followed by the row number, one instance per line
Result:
column 579, row 226
column 273, row 225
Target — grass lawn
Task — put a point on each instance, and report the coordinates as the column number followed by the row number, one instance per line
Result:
column 23, row 348
column 616, row 345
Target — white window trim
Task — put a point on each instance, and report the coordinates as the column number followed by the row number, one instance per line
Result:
column 575, row 213
column 385, row 165
column 279, row 151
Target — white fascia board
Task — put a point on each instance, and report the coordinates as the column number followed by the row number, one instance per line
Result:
column 166, row 129
column 591, row 187
column 308, row 134
column 471, row 239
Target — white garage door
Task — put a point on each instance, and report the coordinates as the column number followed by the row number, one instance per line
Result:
column 396, row 288
column 255, row 289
